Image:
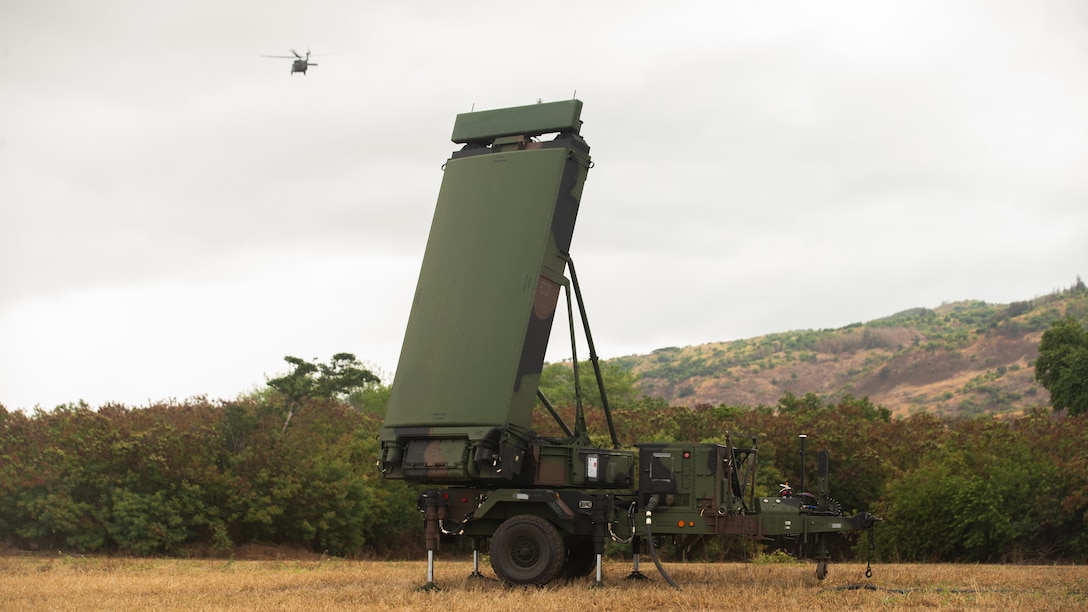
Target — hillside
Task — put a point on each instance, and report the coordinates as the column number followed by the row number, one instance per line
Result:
column 957, row 360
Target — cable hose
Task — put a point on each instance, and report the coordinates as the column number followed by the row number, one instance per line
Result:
column 909, row 590
column 653, row 549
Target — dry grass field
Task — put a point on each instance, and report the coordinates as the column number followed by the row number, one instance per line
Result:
column 63, row 582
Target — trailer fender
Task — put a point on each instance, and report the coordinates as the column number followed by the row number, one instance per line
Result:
column 498, row 503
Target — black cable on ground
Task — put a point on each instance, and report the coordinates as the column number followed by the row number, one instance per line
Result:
column 871, row 587
column 650, row 540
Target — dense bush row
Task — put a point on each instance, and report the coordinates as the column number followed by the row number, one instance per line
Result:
column 171, row 478
column 202, row 476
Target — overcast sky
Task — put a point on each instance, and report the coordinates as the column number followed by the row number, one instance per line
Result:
column 178, row 213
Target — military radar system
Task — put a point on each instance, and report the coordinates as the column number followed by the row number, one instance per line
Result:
column 460, row 411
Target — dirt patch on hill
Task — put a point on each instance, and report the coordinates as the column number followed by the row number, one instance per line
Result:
column 915, row 369
column 991, row 374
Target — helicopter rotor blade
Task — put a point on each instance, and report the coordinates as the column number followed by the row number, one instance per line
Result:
column 280, row 56
column 296, row 53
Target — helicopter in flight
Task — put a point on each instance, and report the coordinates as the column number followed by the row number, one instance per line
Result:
column 300, row 64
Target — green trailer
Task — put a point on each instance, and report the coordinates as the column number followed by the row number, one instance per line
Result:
column 459, row 419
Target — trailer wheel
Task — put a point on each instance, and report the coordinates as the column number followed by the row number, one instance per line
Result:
column 581, row 559
column 821, row 569
column 527, row 549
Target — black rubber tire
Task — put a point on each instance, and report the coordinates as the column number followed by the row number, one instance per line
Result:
column 581, row 560
column 821, row 569
column 527, row 549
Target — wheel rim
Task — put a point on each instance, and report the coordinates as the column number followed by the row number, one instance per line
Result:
column 525, row 553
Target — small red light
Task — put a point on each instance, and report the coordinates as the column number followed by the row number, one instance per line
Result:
column 687, row 455
column 464, row 500
column 679, row 523
column 445, row 496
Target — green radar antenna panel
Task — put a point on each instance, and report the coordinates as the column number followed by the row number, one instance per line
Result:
column 488, row 288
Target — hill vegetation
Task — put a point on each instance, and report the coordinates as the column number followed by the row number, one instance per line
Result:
column 960, row 359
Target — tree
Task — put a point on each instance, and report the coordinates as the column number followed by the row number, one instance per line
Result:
column 620, row 385
column 1062, row 367
column 334, row 380
column 372, row 399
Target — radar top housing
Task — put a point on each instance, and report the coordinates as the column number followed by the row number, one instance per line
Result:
column 483, row 127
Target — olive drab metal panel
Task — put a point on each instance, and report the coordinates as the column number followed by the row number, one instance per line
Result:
column 487, row 292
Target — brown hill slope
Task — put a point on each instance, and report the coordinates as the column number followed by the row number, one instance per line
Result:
column 960, row 359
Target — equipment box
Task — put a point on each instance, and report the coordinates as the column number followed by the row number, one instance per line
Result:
column 557, row 465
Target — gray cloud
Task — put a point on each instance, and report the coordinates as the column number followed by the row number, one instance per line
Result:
column 177, row 213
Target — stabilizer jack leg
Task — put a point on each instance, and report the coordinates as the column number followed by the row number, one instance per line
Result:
column 432, row 512
column 599, row 520
column 430, row 586
column 476, row 559
column 636, row 550
column 822, row 557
